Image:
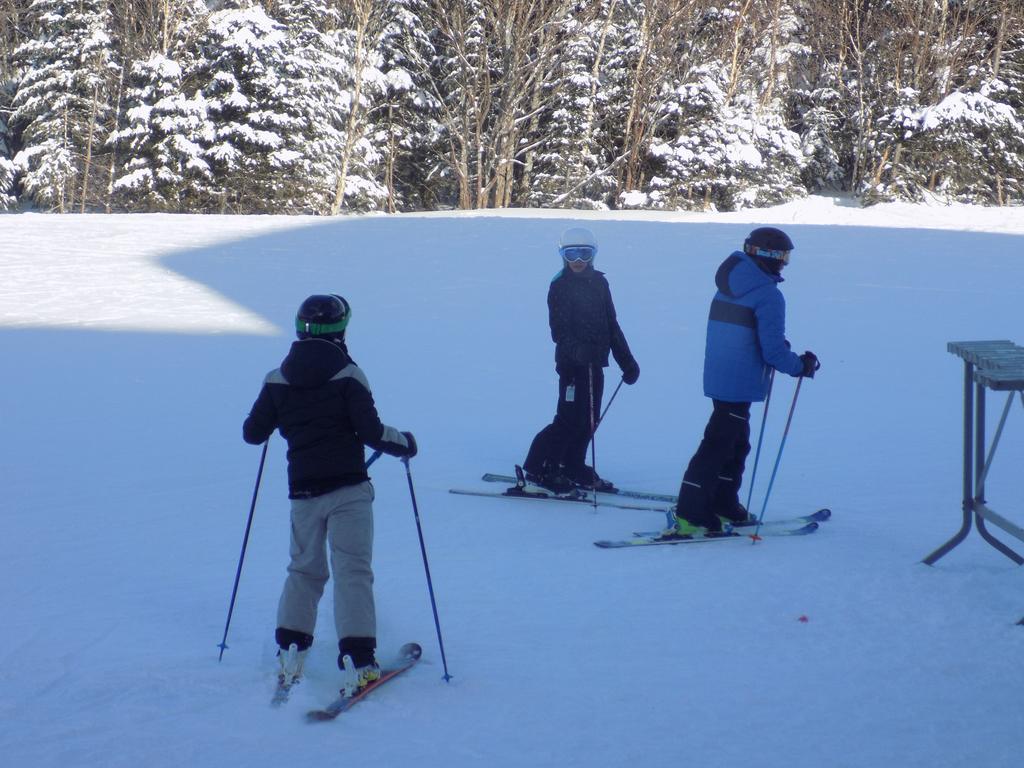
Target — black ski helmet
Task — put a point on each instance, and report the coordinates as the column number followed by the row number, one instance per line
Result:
column 323, row 316
column 769, row 243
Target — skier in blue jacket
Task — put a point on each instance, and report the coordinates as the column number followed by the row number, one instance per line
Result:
column 746, row 339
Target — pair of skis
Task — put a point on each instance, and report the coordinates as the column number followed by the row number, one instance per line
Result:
column 800, row 525
column 407, row 657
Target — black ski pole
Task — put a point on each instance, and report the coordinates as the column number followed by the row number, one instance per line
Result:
column 426, row 568
column 593, row 434
column 609, row 405
column 778, row 458
column 245, row 542
column 760, row 437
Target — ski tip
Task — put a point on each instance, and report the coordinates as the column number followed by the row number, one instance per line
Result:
column 410, row 651
column 822, row 514
column 606, row 544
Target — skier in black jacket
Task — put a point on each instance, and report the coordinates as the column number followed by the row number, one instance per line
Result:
column 584, row 328
column 321, row 403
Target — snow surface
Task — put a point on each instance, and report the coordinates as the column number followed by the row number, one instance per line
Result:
column 134, row 345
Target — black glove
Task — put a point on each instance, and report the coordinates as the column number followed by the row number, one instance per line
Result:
column 631, row 373
column 811, row 364
column 413, row 450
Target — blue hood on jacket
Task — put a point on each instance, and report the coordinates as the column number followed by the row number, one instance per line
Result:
column 739, row 275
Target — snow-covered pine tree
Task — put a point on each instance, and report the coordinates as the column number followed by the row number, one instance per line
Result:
column 318, row 69
column 821, row 138
column 62, row 103
column 251, row 142
column 889, row 171
column 461, row 71
column 1005, row 82
column 406, row 115
column 644, row 39
column 570, row 167
column 161, row 145
column 1008, row 61
column 818, row 99
column 7, row 194
column 358, row 166
column 141, row 30
column 721, row 140
column 692, row 160
column 768, row 168
column 768, row 80
column 969, row 147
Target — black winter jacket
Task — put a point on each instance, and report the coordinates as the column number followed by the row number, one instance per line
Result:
column 583, row 323
column 321, row 403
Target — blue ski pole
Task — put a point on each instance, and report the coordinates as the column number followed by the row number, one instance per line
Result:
column 426, row 569
column 760, row 437
column 245, row 541
column 775, row 469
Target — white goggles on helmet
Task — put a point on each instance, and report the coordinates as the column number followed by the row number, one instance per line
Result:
column 782, row 256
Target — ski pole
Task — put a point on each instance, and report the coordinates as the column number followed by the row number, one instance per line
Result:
column 593, row 431
column 609, row 405
column 373, row 457
column 760, row 437
column 245, row 541
column 775, row 469
column 426, row 568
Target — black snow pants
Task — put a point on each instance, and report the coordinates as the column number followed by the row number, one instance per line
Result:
column 712, row 480
column 564, row 441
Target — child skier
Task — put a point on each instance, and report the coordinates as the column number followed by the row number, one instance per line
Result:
column 584, row 328
column 321, row 403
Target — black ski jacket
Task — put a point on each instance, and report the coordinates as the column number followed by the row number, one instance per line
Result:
column 583, row 323
column 321, row 403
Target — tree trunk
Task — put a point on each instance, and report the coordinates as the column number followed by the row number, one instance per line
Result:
column 737, row 40
column 362, row 14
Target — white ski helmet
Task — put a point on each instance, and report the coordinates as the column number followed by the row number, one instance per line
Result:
column 577, row 236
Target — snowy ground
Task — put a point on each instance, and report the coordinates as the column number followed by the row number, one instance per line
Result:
column 133, row 346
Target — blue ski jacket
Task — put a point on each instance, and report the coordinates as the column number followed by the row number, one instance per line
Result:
column 746, row 333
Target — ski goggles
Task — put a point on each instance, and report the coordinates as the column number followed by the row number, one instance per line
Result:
column 578, row 252
column 782, row 256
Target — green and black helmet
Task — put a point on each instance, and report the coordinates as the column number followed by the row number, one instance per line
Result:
column 323, row 316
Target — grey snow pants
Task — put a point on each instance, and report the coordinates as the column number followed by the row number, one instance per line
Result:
column 343, row 521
